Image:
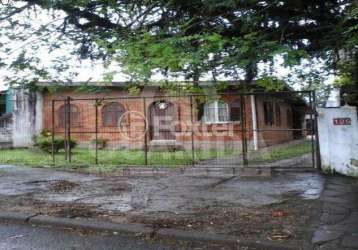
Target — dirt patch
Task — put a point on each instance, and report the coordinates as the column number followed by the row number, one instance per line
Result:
column 62, row 186
column 36, row 182
column 21, row 203
column 284, row 222
column 71, row 210
column 121, row 187
column 29, row 205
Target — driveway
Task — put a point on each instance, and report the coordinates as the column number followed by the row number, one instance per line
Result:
column 276, row 207
column 173, row 193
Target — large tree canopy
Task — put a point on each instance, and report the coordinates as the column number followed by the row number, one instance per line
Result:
column 196, row 37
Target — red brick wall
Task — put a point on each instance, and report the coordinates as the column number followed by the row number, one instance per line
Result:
column 87, row 111
column 275, row 133
column 134, row 126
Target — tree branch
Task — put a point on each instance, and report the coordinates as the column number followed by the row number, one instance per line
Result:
column 16, row 11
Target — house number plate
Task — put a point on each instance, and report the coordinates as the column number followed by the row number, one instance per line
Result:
column 342, row 121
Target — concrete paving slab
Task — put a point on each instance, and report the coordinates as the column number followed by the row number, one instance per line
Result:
column 330, row 218
column 326, row 234
column 350, row 241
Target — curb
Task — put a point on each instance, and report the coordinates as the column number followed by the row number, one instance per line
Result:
column 95, row 225
column 228, row 171
column 16, row 217
column 80, row 223
column 188, row 170
column 138, row 230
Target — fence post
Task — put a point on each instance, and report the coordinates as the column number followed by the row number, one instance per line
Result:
column 146, row 127
column 318, row 154
column 53, row 132
column 312, row 130
column 243, row 131
column 65, row 128
column 69, row 129
column 192, row 131
column 96, row 131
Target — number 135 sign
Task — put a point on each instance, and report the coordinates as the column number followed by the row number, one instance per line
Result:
column 342, row 121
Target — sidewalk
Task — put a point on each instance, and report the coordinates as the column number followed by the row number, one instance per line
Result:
column 338, row 224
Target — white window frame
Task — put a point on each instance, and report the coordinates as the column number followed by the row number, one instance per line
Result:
column 216, row 112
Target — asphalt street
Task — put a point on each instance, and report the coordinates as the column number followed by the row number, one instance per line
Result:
column 22, row 236
column 31, row 237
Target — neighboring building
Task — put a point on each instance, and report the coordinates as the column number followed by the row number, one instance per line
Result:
column 6, row 109
column 217, row 119
column 6, row 104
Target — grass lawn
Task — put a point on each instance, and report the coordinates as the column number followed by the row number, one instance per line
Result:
column 281, row 153
column 36, row 157
column 111, row 159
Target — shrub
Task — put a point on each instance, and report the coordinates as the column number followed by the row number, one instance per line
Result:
column 45, row 143
column 101, row 143
column 46, row 133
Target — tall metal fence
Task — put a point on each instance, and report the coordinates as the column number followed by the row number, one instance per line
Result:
column 256, row 128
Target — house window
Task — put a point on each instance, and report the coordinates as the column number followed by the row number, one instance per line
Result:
column 111, row 113
column 74, row 116
column 278, row 114
column 268, row 113
column 235, row 111
column 216, row 111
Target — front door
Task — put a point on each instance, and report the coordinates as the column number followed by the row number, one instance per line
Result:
column 161, row 121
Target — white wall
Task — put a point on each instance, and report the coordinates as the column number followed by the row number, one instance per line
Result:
column 338, row 143
column 27, row 117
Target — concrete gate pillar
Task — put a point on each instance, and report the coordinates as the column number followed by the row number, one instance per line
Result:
column 338, row 137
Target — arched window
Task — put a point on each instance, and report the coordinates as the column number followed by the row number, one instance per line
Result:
column 74, row 115
column 216, row 111
column 111, row 113
column 235, row 111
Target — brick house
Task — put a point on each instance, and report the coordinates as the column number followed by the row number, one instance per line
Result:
column 174, row 121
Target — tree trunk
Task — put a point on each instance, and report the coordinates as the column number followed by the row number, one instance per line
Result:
column 196, row 77
column 251, row 73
